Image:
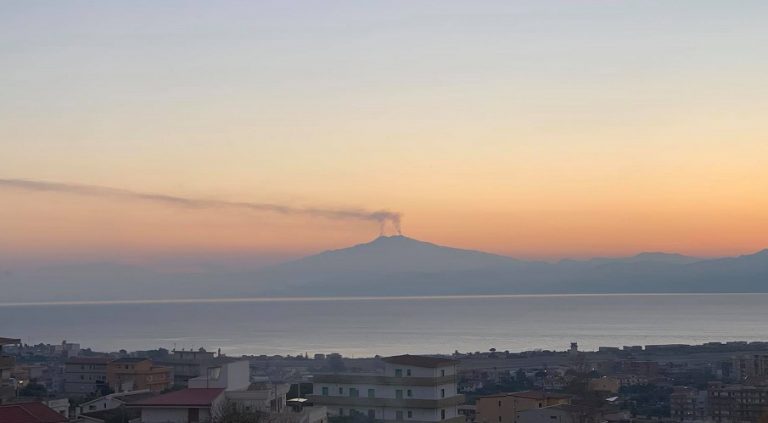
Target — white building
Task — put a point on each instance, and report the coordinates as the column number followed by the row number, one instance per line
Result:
column 411, row 388
column 112, row 401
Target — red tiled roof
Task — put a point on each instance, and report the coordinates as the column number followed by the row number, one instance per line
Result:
column 420, row 361
column 31, row 412
column 190, row 397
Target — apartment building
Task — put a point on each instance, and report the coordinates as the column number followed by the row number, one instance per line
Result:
column 688, row 404
column 132, row 373
column 186, row 365
column 750, row 366
column 85, row 375
column 506, row 407
column 737, row 403
column 410, row 388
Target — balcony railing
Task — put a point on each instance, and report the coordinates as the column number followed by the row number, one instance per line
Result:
column 371, row 379
column 387, row 402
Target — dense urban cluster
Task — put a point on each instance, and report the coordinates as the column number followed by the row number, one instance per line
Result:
column 713, row 382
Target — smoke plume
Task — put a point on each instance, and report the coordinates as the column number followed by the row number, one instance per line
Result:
column 382, row 217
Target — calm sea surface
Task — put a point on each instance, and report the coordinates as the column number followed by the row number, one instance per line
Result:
column 364, row 327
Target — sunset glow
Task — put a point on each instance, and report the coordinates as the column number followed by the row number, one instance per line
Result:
column 632, row 126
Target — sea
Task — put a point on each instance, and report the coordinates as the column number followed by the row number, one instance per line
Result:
column 364, row 327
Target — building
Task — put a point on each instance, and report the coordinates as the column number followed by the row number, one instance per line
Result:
column 112, row 401
column 234, row 378
column 30, row 412
column 750, row 366
column 300, row 410
column 469, row 412
column 204, row 397
column 569, row 413
column 59, row 405
column 191, row 405
column 85, row 375
column 7, row 364
column 186, row 365
column 644, row 368
column 132, row 374
column 612, row 384
column 67, row 349
column 410, row 387
column 737, row 403
column 688, row 404
column 505, row 408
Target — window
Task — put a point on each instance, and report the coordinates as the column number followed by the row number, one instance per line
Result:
column 442, row 372
column 341, row 411
column 442, row 414
column 341, row 390
column 408, row 372
column 371, row 414
column 499, row 419
column 354, row 393
column 399, row 372
column 398, row 415
column 325, row 391
column 499, row 403
column 371, row 393
column 539, row 405
column 410, row 393
column 399, row 394
column 442, row 393
column 410, row 414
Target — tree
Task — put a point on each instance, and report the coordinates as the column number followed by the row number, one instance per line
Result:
column 34, row 389
column 229, row 412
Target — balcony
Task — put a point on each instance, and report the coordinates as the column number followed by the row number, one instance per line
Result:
column 387, row 402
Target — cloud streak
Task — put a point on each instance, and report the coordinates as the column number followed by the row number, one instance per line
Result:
column 382, row 217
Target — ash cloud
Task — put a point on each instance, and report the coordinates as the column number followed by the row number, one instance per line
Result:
column 382, row 217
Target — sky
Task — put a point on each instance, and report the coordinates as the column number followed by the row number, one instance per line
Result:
column 536, row 129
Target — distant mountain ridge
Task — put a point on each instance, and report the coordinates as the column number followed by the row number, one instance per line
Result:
column 399, row 266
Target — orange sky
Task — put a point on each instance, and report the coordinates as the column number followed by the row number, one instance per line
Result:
column 572, row 129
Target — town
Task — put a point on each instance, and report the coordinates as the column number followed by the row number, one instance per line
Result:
column 64, row 382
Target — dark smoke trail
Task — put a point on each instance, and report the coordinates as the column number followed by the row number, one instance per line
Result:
column 382, row 216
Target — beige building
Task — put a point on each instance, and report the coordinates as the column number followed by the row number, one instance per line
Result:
column 605, row 384
column 505, row 408
column 131, row 374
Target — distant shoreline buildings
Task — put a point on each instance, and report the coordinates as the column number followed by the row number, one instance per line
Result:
column 709, row 383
